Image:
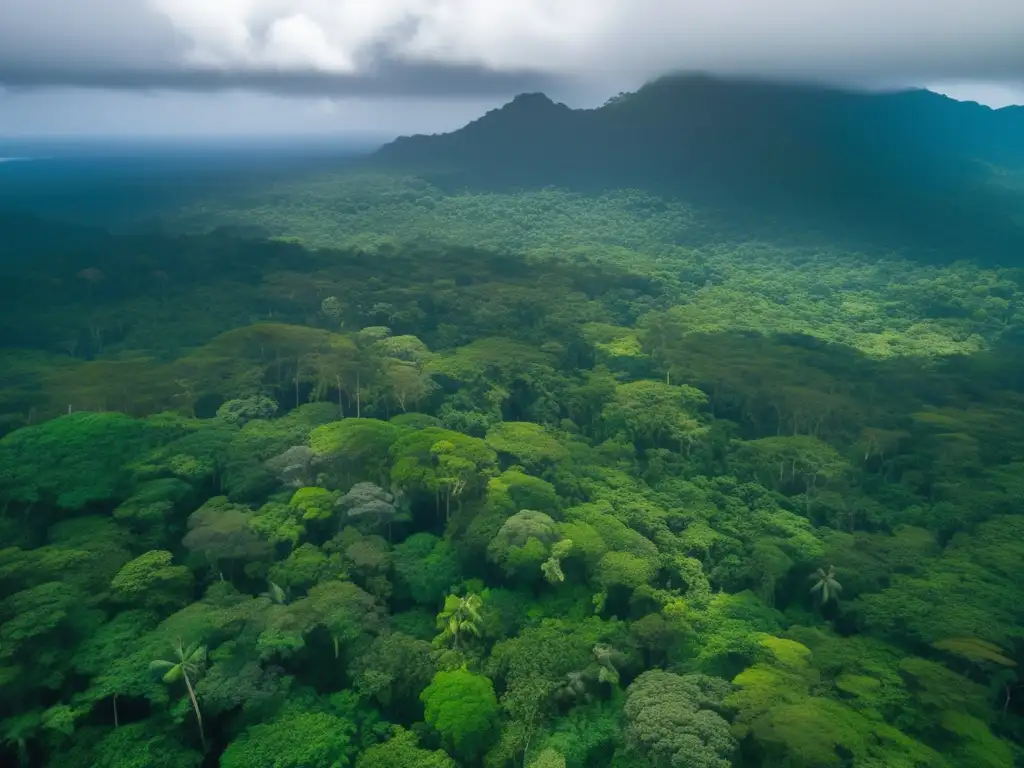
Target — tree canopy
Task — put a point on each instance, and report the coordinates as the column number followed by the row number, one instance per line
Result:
column 442, row 475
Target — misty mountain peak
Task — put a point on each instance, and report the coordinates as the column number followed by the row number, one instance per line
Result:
column 529, row 105
column 531, row 100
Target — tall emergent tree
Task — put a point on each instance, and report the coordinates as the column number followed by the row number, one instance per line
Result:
column 186, row 665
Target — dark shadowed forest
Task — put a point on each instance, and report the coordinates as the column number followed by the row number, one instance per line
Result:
column 573, row 439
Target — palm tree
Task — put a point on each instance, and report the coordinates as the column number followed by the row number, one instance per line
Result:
column 825, row 584
column 459, row 615
column 187, row 664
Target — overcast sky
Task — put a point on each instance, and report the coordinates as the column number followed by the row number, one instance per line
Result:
column 400, row 66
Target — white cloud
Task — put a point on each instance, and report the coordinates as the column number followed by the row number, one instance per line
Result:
column 550, row 35
column 898, row 39
column 578, row 50
column 299, row 35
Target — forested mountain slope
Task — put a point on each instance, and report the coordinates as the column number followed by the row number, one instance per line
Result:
column 702, row 123
column 910, row 166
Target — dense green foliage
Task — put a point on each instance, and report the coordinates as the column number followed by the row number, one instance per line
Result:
column 569, row 483
column 911, row 167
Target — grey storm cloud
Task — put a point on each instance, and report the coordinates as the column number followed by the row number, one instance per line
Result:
column 482, row 47
column 386, row 79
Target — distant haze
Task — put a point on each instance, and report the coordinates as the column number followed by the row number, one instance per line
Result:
column 399, row 66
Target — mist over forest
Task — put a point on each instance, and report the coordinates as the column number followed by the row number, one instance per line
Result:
column 682, row 432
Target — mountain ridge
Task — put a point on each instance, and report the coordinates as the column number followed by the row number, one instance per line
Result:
column 690, row 91
column 910, row 160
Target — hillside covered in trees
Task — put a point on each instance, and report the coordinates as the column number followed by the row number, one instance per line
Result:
column 375, row 468
column 902, row 167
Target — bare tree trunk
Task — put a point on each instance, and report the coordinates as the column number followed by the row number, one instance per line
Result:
column 117, row 722
column 526, row 748
column 195, row 706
